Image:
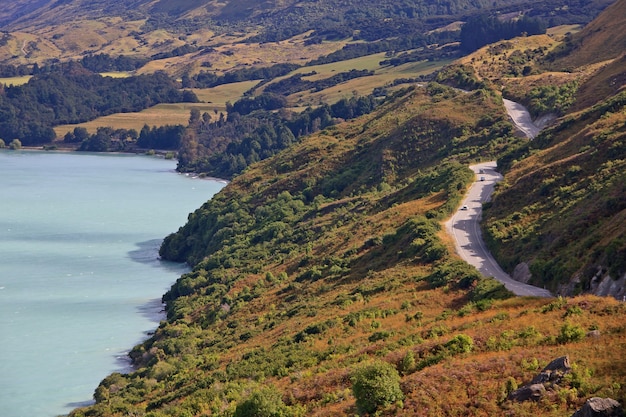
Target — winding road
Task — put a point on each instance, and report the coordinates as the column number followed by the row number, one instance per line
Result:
column 464, row 225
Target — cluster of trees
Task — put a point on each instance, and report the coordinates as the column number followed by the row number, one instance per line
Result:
column 296, row 84
column 266, row 101
column 104, row 62
column 206, row 79
column 483, row 30
column 225, row 147
column 92, row 62
column 8, row 70
column 107, row 139
column 75, row 95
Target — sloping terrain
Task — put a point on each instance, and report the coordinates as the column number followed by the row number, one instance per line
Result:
column 561, row 214
column 329, row 257
column 45, row 31
column 603, row 39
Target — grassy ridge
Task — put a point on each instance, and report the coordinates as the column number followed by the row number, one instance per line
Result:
column 328, row 257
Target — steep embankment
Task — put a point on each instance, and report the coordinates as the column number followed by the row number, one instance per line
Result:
column 559, row 217
column 328, row 257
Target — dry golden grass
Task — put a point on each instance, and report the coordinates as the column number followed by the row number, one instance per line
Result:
column 15, row 80
column 562, row 30
column 218, row 96
column 602, row 39
column 159, row 115
column 491, row 63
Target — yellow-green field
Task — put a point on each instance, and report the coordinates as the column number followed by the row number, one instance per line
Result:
column 15, row 80
column 563, row 30
column 116, row 74
column 218, row 96
column 363, row 85
column 159, row 115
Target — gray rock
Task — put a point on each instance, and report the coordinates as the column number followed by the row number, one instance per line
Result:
column 600, row 407
column 528, row 392
column 549, row 376
column 522, row 273
column 554, row 371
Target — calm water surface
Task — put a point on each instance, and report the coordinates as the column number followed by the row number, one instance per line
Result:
column 80, row 281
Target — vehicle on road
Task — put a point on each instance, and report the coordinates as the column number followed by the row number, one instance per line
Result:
column 463, row 207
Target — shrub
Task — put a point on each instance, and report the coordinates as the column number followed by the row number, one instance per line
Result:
column 376, row 385
column 570, row 333
column 266, row 402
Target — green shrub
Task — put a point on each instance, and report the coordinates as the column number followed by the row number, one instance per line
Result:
column 375, row 386
column 266, row 402
column 570, row 333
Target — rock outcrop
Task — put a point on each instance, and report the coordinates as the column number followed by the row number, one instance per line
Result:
column 549, row 376
column 600, row 407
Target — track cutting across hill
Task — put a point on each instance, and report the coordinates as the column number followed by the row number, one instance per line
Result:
column 464, row 225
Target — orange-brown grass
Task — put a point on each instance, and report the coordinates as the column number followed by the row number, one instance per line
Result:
column 602, row 39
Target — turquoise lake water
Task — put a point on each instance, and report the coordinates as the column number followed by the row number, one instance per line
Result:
column 80, row 279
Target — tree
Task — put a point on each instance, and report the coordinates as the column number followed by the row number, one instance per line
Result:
column 376, row 385
column 15, row 144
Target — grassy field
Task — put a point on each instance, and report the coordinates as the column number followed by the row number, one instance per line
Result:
column 218, row 96
column 361, row 86
column 15, row 80
column 159, row 115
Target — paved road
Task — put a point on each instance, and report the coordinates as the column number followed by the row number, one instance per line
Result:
column 464, row 227
column 521, row 118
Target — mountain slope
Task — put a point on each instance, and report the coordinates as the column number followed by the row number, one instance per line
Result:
column 602, row 39
column 561, row 217
column 558, row 219
column 329, row 256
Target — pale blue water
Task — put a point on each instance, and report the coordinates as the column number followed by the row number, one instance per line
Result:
column 80, row 281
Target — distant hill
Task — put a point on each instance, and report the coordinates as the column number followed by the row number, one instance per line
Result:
column 42, row 31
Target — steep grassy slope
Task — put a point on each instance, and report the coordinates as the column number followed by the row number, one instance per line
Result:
column 562, row 208
column 559, row 215
column 604, row 38
column 330, row 256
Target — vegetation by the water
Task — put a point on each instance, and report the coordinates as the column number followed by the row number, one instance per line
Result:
column 322, row 282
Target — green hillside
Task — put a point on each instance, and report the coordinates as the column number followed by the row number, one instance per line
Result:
column 326, row 265
column 322, row 281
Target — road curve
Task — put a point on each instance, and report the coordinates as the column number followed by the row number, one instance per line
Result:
column 464, row 227
column 521, row 118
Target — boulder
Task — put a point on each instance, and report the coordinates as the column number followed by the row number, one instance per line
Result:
column 549, row 376
column 600, row 407
column 554, row 371
column 528, row 392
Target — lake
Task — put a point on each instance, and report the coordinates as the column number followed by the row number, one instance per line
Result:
column 80, row 278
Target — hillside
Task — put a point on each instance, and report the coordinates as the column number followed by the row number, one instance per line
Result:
column 601, row 40
column 47, row 31
column 330, row 257
column 557, row 219
column 322, row 281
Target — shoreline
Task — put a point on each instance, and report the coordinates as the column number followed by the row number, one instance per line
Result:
column 150, row 152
